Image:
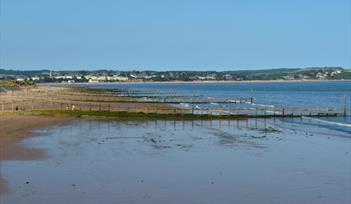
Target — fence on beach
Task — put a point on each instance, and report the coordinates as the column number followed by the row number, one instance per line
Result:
column 28, row 101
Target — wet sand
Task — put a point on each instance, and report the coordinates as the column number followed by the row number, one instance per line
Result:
column 255, row 161
column 14, row 129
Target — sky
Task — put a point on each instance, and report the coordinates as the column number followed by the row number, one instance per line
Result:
column 174, row 35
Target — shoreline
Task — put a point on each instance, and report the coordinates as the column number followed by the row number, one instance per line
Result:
column 16, row 128
column 201, row 82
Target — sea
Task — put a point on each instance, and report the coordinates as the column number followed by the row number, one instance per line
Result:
column 322, row 95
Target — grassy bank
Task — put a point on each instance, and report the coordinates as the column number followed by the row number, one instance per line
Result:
column 13, row 85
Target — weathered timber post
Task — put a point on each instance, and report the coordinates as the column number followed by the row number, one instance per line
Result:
column 345, row 105
column 283, row 112
column 229, row 119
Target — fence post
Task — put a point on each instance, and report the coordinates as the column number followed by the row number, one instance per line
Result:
column 345, row 105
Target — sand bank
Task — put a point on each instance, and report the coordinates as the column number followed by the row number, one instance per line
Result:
column 15, row 128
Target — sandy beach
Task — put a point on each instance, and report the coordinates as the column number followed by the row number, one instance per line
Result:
column 103, row 161
column 15, row 128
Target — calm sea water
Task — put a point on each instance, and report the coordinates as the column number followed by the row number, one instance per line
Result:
column 291, row 95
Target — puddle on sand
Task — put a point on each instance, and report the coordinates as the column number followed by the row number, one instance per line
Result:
column 180, row 162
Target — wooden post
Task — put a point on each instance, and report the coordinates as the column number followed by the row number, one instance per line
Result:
column 345, row 105
column 283, row 112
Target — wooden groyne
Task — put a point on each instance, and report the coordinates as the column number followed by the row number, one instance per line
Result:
column 82, row 102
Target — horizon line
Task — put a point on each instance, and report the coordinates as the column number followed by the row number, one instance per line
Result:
column 174, row 70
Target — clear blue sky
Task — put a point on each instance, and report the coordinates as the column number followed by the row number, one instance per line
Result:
column 174, row 35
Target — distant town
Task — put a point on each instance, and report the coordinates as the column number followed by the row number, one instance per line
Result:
column 103, row 76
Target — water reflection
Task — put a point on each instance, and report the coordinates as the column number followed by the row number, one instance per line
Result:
column 218, row 161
